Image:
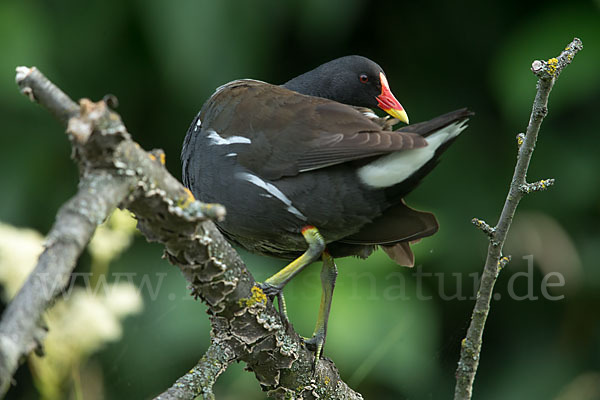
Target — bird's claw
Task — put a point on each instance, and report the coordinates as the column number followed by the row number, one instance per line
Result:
column 315, row 344
column 269, row 289
column 272, row 292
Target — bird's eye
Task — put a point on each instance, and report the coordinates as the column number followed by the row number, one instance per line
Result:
column 363, row 78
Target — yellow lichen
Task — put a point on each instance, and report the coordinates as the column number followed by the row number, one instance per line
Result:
column 191, row 196
column 552, row 66
column 186, row 201
column 502, row 262
column 327, row 380
column 520, row 140
column 161, row 158
column 258, row 297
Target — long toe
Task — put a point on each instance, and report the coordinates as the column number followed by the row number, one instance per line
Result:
column 315, row 344
column 283, row 309
column 272, row 292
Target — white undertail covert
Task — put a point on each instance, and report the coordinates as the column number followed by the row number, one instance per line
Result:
column 394, row 168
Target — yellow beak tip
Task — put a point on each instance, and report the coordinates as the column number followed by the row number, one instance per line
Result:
column 398, row 114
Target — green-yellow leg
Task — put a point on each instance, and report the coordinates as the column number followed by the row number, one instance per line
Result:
column 274, row 285
column 328, row 276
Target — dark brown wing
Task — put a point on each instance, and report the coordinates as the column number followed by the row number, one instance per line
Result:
column 292, row 133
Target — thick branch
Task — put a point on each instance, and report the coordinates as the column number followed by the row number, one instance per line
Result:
column 242, row 318
column 547, row 72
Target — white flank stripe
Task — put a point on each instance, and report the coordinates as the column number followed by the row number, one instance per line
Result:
column 218, row 140
column 230, row 154
column 272, row 190
column 393, row 168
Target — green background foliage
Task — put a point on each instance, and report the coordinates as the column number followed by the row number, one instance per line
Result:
column 394, row 334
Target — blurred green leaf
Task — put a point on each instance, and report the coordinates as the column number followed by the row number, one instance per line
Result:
column 24, row 40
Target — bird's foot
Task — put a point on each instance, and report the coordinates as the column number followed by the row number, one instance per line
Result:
column 315, row 344
column 273, row 291
column 269, row 289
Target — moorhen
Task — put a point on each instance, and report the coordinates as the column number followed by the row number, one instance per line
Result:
column 306, row 170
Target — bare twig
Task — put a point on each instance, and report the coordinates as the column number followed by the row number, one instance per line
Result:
column 38, row 88
column 20, row 330
column 242, row 318
column 485, row 227
column 537, row 186
column 547, row 72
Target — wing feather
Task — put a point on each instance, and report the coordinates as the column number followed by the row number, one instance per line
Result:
column 292, row 133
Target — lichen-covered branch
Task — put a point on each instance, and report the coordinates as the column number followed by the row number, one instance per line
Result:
column 200, row 379
column 243, row 320
column 547, row 72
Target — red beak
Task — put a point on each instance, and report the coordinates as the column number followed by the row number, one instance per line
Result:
column 388, row 103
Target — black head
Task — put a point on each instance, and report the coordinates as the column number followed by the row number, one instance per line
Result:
column 352, row 80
